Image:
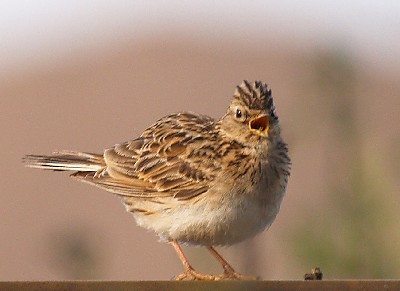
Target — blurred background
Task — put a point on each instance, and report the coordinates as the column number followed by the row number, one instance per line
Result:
column 84, row 75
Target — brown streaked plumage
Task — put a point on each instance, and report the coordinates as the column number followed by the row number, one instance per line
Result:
column 192, row 179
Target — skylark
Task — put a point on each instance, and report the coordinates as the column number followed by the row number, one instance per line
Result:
column 195, row 180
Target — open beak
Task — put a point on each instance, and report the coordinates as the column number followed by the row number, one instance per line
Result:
column 260, row 125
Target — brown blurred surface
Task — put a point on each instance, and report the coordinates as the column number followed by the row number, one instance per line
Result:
column 364, row 285
column 53, row 228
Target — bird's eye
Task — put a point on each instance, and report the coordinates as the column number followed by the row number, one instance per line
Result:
column 238, row 113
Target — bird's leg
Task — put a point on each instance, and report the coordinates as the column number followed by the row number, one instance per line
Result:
column 190, row 273
column 229, row 272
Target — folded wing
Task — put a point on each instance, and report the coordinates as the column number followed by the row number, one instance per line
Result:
column 161, row 162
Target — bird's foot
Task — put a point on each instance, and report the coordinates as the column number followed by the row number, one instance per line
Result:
column 229, row 274
column 238, row 276
column 191, row 274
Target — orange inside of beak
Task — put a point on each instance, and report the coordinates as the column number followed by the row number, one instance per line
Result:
column 260, row 123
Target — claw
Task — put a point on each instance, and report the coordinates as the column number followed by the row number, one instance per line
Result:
column 192, row 275
column 232, row 275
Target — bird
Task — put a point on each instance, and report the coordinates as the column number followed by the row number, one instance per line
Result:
column 195, row 180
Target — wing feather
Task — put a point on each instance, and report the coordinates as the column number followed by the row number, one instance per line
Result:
column 160, row 163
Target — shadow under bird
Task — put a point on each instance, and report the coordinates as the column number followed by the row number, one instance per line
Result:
column 195, row 180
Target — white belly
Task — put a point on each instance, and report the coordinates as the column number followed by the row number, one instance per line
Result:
column 216, row 219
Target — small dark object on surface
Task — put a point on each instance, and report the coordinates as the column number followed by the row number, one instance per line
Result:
column 315, row 275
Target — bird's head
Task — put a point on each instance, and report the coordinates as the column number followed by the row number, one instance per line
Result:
column 251, row 115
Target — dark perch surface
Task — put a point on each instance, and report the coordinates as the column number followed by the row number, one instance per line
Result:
column 197, row 285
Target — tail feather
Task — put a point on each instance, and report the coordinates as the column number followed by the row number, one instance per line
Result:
column 66, row 161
